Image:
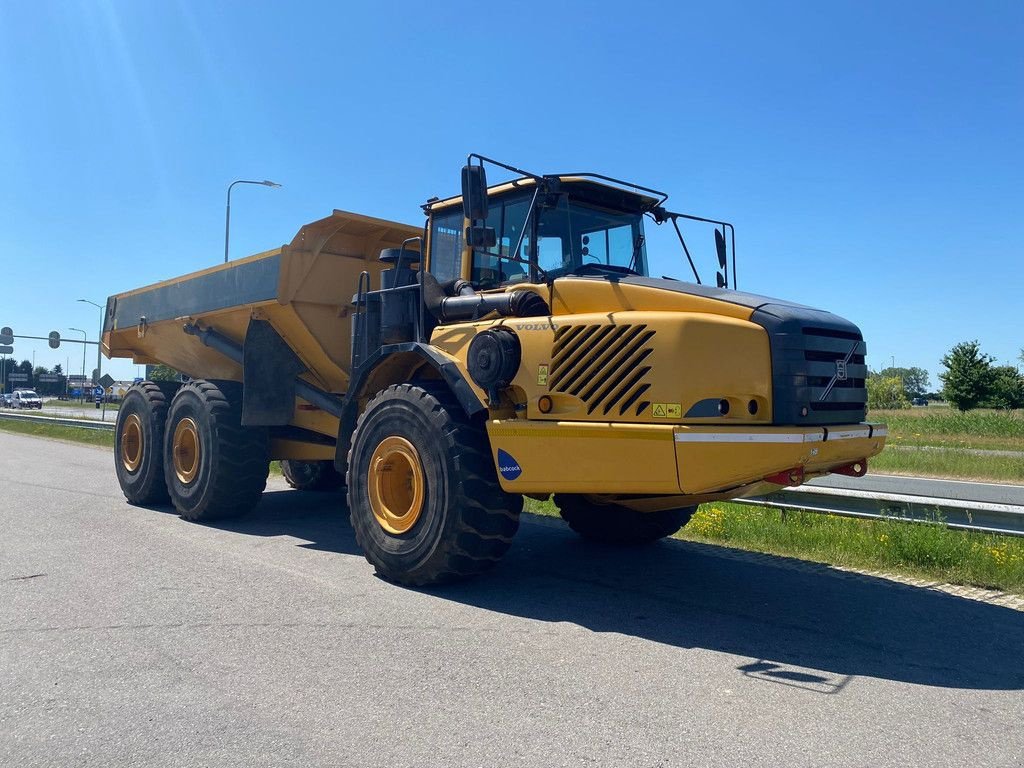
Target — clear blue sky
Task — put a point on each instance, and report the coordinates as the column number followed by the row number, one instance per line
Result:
column 870, row 154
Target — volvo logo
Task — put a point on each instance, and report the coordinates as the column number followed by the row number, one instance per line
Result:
column 840, row 371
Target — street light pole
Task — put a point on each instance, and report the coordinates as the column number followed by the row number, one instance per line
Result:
column 227, row 213
column 99, row 352
column 85, row 338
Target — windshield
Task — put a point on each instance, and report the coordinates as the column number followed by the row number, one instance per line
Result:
column 571, row 234
column 29, row 393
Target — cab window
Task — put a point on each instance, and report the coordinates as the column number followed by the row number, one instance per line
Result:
column 446, row 245
column 492, row 267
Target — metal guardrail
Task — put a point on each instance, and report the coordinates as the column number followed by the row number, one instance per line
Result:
column 981, row 516
column 106, row 426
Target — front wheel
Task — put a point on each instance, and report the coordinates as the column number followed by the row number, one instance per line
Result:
column 423, row 494
column 614, row 524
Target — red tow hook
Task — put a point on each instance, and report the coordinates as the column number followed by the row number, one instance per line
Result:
column 794, row 476
column 856, row 469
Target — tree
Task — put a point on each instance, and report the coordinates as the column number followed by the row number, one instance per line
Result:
column 57, row 370
column 1007, row 388
column 969, row 377
column 915, row 380
column 886, row 392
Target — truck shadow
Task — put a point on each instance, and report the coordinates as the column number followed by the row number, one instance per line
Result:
column 803, row 624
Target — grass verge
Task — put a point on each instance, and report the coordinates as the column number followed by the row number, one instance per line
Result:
column 104, row 438
column 923, row 550
column 938, row 442
column 948, row 428
column 948, row 462
column 79, row 405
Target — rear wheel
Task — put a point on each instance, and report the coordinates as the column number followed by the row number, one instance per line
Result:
column 311, row 475
column 138, row 444
column 615, row 524
column 423, row 494
column 214, row 467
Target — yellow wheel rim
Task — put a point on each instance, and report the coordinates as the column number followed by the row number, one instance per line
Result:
column 185, row 449
column 131, row 442
column 395, row 482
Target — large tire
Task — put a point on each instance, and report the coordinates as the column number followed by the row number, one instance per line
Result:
column 214, row 467
column 139, row 444
column 423, row 494
column 311, row 475
column 615, row 524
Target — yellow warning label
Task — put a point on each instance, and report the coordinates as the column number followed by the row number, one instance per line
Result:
column 542, row 375
column 666, row 410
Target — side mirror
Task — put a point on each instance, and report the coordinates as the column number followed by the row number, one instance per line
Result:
column 720, row 247
column 474, row 192
column 720, row 278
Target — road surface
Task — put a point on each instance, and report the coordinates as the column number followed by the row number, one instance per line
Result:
column 961, row 490
column 130, row 637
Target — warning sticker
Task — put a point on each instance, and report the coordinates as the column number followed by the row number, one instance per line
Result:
column 666, row 410
column 542, row 375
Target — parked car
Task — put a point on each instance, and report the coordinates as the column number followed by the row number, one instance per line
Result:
column 6, row 400
column 26, row 398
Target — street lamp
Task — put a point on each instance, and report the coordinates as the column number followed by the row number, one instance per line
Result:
column 85, row 337
column 99, row 349
column 227, row 215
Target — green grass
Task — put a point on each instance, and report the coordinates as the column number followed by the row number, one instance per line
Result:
column 74, row 434
column 923, row 550
column 954, row 435
column 945, row 427
column 79, row 405
column 948, row 462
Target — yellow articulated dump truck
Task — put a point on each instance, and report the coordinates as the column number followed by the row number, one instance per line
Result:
column 514, row 345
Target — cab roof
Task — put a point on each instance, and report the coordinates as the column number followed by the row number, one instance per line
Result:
column 590, row 189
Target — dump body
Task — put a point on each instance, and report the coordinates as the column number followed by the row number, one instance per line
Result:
column 304, row 289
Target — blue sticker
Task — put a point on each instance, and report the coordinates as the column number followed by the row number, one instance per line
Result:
column 507, row 466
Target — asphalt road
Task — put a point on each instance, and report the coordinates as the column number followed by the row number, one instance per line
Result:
column 993, row 493
column 128, row 636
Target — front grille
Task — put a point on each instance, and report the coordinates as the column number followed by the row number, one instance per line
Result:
column 603, row 365
column 808, row 349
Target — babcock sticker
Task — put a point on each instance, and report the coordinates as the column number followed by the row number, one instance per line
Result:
column 507, row 466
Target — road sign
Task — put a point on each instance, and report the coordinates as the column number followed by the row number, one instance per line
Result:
column 98, row 392
column 17, row 376
column 6, row 335
column 6, row 350
column 76, row 392
column 48, row 377
column 107, row 380
column 54, row 340
column 76, row 377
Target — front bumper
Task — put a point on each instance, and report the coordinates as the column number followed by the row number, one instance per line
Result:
column 698, row 461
